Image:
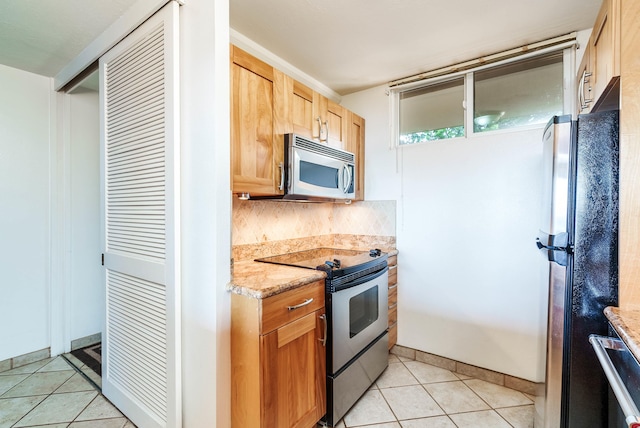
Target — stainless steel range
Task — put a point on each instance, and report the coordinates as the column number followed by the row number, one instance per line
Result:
column 356, row 304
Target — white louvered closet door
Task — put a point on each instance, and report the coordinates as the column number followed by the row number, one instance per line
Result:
column 140, row 206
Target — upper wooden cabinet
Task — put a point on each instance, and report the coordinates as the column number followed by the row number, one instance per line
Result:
column 255, row 152
column 335, row 122
column 600, row 68
column 266, row 104
column 355, row 144
column 315, row 116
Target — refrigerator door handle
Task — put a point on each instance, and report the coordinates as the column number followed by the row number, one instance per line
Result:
column 556, row 246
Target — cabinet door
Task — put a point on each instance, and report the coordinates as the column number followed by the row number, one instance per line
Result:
column 293, row 373
column 253, row 158
column 337, row 125
column 302, row 119
column 605, row 61
column 355, row 144
column 584, row 79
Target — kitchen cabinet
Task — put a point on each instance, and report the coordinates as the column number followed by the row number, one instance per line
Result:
column 301, row 100
column 629, row 227
column 355, row 144
column 585, row 93
column 278, row 362
column 334, row 120
column 314, row 116
column 256, row 149
column 598, row 74
column 393, row 300
column 266, row 104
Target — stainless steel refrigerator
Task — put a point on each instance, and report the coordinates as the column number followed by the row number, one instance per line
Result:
column 579, row 238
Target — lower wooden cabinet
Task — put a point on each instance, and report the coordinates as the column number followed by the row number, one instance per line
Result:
column 393, row 300
column 278, row 359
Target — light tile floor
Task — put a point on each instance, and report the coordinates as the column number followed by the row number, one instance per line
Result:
column 411, row 394
column 52, row 394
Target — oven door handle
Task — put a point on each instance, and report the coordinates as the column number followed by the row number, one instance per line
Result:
column 599, row 343
column 323, row 317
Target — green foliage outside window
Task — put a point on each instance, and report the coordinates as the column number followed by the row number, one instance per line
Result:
column 432, row 135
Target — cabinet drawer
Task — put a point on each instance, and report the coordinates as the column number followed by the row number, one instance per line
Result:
column 393, row 275
column 392, row 261
column 393, row 295
column 276, row 310
column 393, row 314
column 393, row 335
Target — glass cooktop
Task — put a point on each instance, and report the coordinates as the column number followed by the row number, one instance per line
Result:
column 323, row 258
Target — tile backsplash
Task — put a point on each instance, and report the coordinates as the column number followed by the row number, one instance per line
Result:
column 256, row 223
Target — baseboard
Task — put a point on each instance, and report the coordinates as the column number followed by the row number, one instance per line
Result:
column 83, row 342
column 519, row 384
column 23, row 360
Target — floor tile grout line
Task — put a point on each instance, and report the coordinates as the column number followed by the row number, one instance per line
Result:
column 31, row 410
column 81, row 373
column 491, row 408
column 2, row 396
column 99, row 391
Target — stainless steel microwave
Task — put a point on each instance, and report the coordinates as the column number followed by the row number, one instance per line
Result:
column 317, row 172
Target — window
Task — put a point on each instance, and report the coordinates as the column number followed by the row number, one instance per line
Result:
column 432, row 113
column 524, row 93
column 521, row 93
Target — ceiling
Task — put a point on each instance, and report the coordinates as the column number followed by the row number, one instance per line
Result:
column 347, row 45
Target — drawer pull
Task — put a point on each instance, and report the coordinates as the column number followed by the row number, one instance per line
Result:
column 391, row 287
column 305, row 303
column 393, row 305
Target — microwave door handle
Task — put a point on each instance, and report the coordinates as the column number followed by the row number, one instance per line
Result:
column 346, row 176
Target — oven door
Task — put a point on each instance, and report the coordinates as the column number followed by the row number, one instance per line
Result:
column 358, row 315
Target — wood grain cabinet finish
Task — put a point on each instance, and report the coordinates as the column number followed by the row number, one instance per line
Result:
column 255, row 152
column 355, row 144
column 266, row 104
column 599, row 70
column 393, row 300
column 278, row 359
column 629, row 226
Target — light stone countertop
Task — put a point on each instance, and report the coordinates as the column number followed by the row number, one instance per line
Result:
column 262, row 280
column 627, row 324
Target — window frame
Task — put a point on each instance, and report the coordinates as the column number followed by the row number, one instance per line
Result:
column 468, row 104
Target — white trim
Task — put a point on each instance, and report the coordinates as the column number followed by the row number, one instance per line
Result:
column 245, row 43
column 139, row 12
column 394, row 119
column 468, row 104
column 59, row 235
column 569, row 102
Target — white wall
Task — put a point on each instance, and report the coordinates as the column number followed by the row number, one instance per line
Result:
column 86, row 289
column 25, row 150
column 468, row 210
column 206, row 213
